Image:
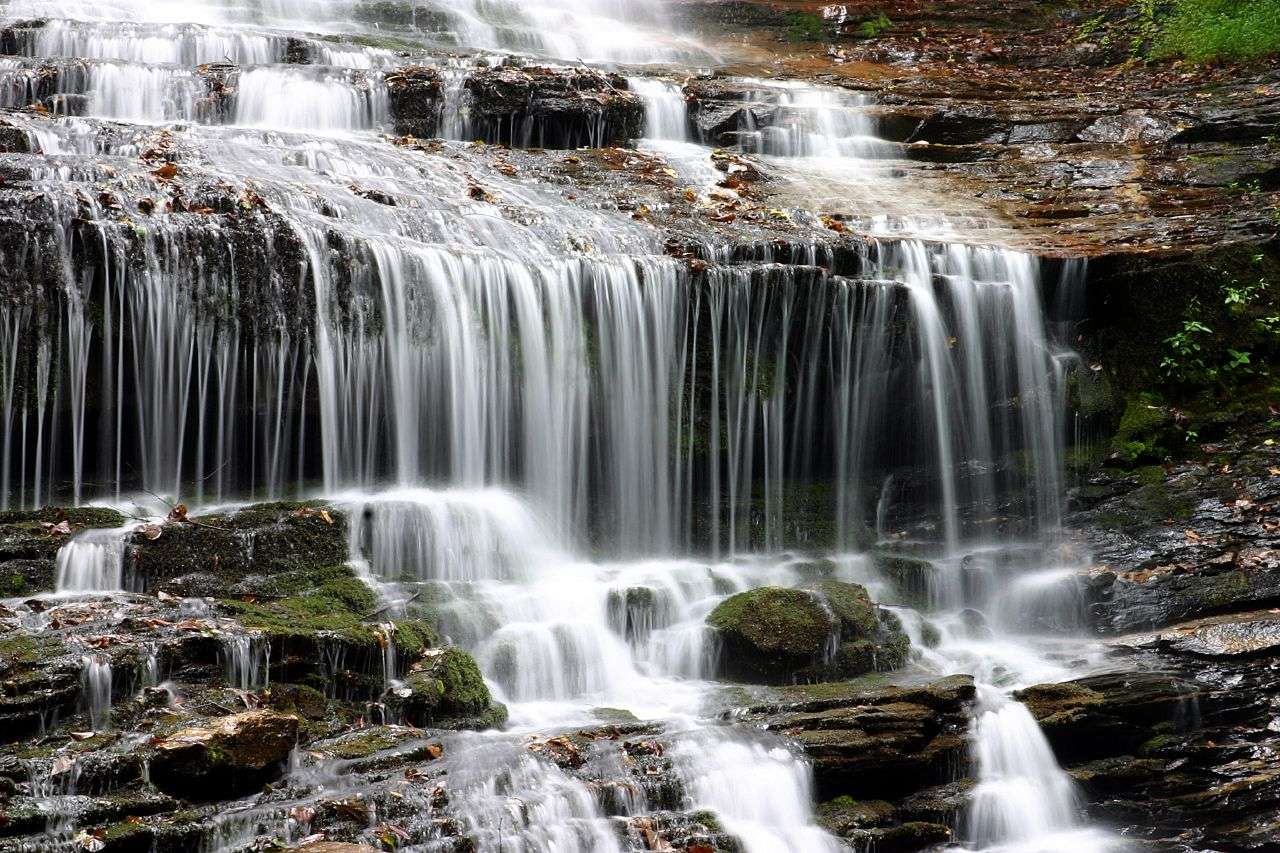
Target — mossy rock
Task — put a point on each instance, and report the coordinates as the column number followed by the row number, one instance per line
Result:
column 261, row 540
column 365, row 742
column 327, row 610
column 1144, row 431
column 913, row 578
column 25, row 538
column 126, row 837
column 447, row 690
column 826, row 630
column 842, row 814
column 850, row 604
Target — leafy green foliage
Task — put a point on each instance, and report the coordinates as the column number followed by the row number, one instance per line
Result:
column 1198, row 30
column 1206, row 30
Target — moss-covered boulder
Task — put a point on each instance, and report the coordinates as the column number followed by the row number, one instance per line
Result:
column 446, row 690
column 232, row 755
column 828, row 629
column 324, row 629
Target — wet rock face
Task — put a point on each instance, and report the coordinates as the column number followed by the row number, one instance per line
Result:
column 415, row 96
column 827, row 631
column 551, row 107
column 232, row 755
column 885, row 759
column 254, row 637
column 1198, row 539
column 1104, row 715
column 1181, row 749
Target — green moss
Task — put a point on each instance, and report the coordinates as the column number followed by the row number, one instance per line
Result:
column 365, row 744
column 126, row 837
column 12, row 584
column 790, row 621
column 805, row 26
column 850, row 604
column 834, row 689
column 415, row 636
column 448, row 685
column 614, row 715
column 28, row 649
column 1157, row 743
column 1142, row 430
column 84, row 516
column 336, row 601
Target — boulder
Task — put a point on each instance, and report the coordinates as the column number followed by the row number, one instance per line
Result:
column 826, row 630
column 229, row 756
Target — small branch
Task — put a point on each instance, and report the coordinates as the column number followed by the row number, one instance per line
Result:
column 389, row 605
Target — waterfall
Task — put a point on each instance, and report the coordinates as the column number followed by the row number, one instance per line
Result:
column 95, row 690
column 92, row 561
column 247, row 661
column 665, row 113
column 561, row 437
column 1023, row 800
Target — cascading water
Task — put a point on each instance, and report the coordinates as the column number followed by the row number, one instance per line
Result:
column 246, row 661
column 93, row 561
column 568, row 442
column 95, row 690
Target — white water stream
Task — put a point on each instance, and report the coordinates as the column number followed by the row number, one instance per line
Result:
column 527, row 429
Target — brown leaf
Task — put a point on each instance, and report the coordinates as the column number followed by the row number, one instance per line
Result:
column 166, row 172
column 151, row 531
column 178, row 513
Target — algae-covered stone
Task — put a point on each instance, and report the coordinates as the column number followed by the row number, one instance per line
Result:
column 829, row 629
column 446, row 690
column 230, row 756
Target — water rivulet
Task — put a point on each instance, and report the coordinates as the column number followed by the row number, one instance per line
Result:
column 230, row 278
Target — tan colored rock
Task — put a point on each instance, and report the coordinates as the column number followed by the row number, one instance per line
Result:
column 229, row 756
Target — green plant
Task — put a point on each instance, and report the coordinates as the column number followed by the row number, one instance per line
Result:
column 805, row 26
column 873, row 27
column 1184, row 362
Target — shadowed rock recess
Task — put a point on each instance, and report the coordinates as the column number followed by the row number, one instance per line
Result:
column 714, row 426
